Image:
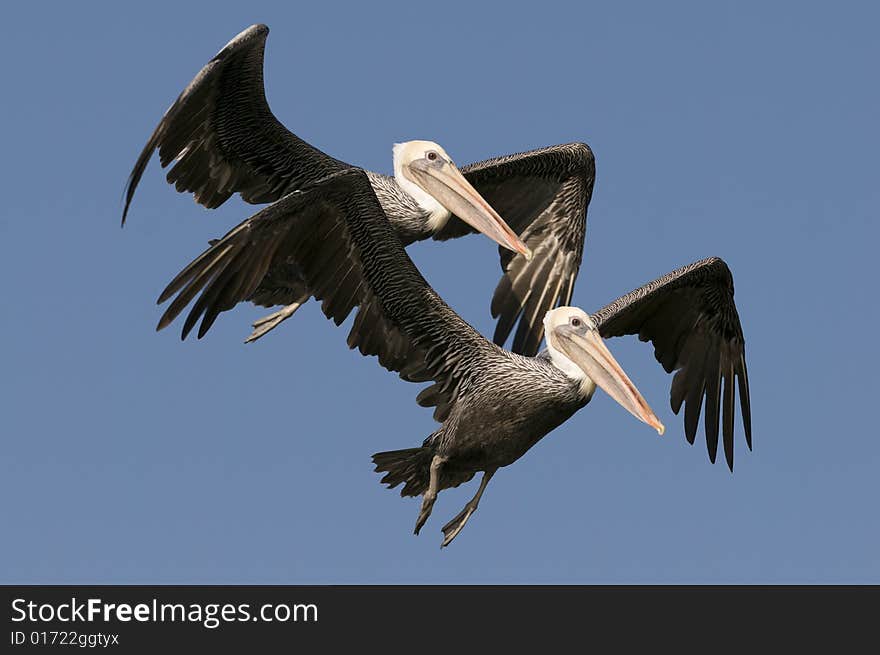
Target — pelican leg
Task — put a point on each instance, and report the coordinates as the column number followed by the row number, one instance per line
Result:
column 451, row 529
column 430, row 494
column 270, row 322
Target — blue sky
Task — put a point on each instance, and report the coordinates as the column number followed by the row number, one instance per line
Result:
column 747, row 131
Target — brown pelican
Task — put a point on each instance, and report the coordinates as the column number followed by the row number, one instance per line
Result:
column 225, row 140
column 493, row 405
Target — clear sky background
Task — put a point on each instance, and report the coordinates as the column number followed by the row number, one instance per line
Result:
column 747, row 131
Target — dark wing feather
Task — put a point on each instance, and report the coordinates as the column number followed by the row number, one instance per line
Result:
column 225, row 139
column 349, row 256
column 691, row 318
column 543, row 195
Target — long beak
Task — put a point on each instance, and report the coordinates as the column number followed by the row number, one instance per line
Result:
column 591, row 355
column 453, row 191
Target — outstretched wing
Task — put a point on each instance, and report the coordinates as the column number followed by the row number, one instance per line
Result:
column 225, row 139
column 690, row 317
column 337, row 235
column 543, row 195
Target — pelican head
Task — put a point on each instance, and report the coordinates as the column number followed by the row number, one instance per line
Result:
column 578, row 351
column 428, row 174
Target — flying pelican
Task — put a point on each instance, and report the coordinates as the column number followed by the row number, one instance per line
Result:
column 225, row 140
column 493, row 404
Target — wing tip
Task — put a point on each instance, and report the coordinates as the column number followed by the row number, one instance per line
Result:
column 585, row 153
column 166, row 320
column 257, row 31
column 728, row 455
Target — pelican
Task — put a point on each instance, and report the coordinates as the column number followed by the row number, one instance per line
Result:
column 493, row 405
column 223, row 139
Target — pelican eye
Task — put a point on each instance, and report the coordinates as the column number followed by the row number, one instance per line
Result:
column 431, row 155
column 576, row 322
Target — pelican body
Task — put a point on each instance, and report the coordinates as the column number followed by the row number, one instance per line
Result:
column 222, row 138
column 492, row 404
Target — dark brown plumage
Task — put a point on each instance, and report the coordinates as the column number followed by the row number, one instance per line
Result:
column 690, row 317
column 224, row 137
column 543, row 195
